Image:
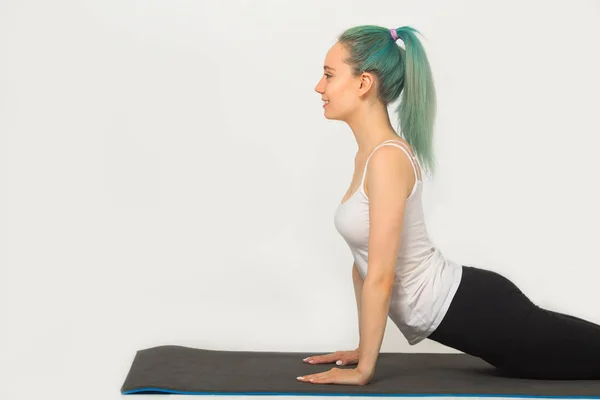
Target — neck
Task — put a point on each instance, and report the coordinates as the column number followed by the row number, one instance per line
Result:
column 371, row 126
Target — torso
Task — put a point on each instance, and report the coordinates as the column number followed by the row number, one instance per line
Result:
column 359, row 167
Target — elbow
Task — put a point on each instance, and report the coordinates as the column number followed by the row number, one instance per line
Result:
column 383, row 283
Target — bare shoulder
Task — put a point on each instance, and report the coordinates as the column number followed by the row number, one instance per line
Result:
column 392, row 157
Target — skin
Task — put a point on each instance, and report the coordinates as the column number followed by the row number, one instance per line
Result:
column 353, row 99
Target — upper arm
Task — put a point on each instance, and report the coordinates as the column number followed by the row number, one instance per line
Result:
column 388, row 181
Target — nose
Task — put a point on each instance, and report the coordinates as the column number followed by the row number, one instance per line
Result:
column 318, row 88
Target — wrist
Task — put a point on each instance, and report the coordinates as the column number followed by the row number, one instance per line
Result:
column 367, row 372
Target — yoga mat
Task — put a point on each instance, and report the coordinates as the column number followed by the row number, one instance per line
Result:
column 186, row 370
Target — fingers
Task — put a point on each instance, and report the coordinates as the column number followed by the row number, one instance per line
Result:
column 318, row 360
column 328, row 358
column 339, row 357
column 325, row 360
column 305, row 378
column 308, row 378
column 314, row 377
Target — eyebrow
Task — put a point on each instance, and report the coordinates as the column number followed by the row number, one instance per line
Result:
column 327, row 67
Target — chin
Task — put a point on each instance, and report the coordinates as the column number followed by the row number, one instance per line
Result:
column 329, row 115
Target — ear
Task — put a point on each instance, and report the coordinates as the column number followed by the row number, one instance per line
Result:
column 367, row 81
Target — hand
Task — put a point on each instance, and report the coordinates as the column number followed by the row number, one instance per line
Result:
column 338, row 376
column 339, row 357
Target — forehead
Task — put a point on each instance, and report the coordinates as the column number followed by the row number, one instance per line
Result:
column 335, row 56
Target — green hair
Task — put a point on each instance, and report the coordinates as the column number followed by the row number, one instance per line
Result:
column 373, row 49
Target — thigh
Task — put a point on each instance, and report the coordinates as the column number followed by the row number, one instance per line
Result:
column 556, row 346
column 550, row 334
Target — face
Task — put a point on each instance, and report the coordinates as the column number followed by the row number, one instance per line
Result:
column 339, row 87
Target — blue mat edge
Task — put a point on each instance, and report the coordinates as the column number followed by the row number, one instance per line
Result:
column 143, row 390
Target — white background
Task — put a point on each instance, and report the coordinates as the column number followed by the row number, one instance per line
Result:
column 168, row 175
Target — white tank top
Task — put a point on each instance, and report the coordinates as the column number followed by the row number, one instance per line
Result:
column 425, row 281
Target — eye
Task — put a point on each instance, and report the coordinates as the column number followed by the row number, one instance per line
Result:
column 328, row 76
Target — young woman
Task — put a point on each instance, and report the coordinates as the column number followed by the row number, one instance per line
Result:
column 397, row 270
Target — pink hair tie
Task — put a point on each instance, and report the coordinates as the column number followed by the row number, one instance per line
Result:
column 394, row 34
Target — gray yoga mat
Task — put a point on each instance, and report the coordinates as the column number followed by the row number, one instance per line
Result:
column 186, row 370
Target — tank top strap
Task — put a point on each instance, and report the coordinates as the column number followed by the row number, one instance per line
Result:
column 397, row 144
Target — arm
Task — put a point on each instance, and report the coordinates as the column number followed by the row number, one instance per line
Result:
column 358, row 280
column 388, row 188
column 375, row 303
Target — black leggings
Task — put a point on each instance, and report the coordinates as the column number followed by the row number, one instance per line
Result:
column 492, row 319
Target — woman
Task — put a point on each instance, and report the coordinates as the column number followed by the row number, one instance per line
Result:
column 397, row 270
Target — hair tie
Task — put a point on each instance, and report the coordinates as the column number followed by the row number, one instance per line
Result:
column 394, row 34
